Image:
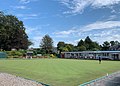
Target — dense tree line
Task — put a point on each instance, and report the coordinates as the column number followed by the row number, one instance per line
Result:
column 12, row 33
column 46, row 45
column 86, row 45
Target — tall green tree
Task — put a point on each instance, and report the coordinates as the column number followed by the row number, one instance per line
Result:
column 81, row 43
column 81, row 48
column 112, row 43
column 60, row 46
column 47, row 44
column 106, row 45
column 12, row 33
column 88, row 43
column 70, row 47
column 95, row 46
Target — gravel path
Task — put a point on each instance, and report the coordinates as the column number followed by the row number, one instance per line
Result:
column 11, row 80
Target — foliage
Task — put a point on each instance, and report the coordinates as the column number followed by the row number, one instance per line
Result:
column 70, row 47
column 109, row 45
column 39, row 51
column 81, row 48
column 52, row 55
column 87, row 44
column 47, row 44
column 112, row 43
column 12, row 33
column 106, row 45
column 60, row 46
column 81, row 43
column 14, row 54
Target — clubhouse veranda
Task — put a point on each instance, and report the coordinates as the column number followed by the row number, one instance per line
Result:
column 110, row 55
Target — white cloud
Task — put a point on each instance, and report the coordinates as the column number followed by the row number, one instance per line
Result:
column 99, row 31
column 20, row 7
column 36, row 41
column 101, row 25
column 107, row 35
column 78, row 6
column 94, row 26
column 28, row 16
column 33, row 30
column 112, row 17
column 101, row 3
column 35, row 35
column 26, row 1
column 65, row 32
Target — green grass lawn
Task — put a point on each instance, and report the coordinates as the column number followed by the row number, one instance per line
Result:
column 59, row 72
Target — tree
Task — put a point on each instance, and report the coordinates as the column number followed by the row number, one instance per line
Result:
column 65, row 49
column 94, row 46
column 81, row 43
column 117, row 43
column 106, row 45
column 12, row 33
column 81, row 48
column 47, row 44
column 112, row 43
column 88, row 40
column 60, row 46
column 70, row 47
column 88, row 43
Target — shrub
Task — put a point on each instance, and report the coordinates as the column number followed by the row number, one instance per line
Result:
column 53, row 56
column 14, row 54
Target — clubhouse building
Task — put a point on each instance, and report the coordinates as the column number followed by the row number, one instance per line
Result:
column 108, row 55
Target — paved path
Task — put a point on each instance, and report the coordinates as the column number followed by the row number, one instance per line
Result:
column 109, row 80
column 11, row 80
column 114, row 81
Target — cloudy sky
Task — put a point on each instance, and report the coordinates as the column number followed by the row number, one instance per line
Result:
column 67, row 20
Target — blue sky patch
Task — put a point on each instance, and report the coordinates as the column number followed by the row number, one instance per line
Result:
column 67, row 20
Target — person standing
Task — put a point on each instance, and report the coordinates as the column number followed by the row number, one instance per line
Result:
column 100, row 60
